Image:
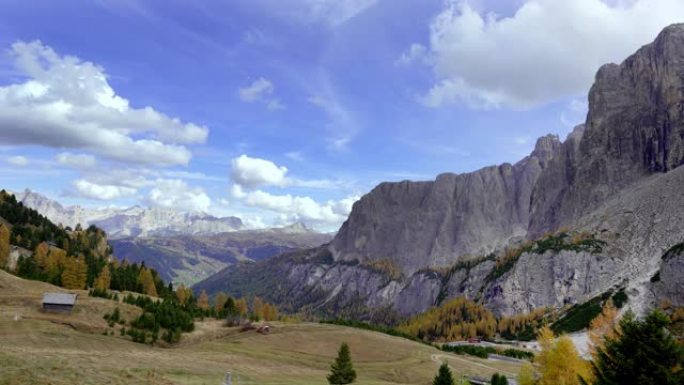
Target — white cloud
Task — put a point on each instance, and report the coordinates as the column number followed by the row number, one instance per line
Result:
column 176, row 194
column 301, row 208
column 342, row 126
column 414, row 53
column 261, row 90
column 76, row 160
column 274, row 105
column 336, row 12
column 68, row 103
column 91, row 190
column 18, row 160
column 546, row 51
column 253, row 172
column 256, row 91
column 295, row 155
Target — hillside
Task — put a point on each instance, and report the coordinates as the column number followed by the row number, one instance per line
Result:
column 189, row 259
column 513, row 237
column 61, row 350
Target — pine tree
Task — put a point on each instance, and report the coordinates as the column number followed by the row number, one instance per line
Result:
column 203, row 300
column 444, row 376
column 4, row 245
column 641, row 352
column 341, row 370
column 498, row 379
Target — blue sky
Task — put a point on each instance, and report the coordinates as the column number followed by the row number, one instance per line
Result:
column 282, row 111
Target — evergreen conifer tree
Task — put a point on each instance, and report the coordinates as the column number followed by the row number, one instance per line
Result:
column 641, row 352
column 444, row 376
column 342, row 371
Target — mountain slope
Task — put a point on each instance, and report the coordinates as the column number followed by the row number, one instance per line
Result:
column 614, row 182
column 190, row 258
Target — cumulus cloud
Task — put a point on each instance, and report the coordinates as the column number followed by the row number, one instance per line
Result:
column 176, row 194
column 18, row 160
column 65, row 102
column 253, row 172
column 91, row 190
column 301, row 208
column 546, row 51
column 76, row 160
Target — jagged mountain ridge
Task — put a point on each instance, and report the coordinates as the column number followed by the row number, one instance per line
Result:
column 615, row 177
column 130, row 222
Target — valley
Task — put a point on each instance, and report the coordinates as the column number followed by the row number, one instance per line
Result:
column 60, row 350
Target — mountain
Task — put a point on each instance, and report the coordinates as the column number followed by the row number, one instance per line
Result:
column 598, row 214
column 190, row 258
column 130, row 222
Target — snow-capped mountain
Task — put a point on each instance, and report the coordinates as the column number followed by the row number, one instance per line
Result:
column 134, row 221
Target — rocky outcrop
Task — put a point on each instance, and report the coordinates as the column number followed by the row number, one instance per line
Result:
column 430, row 224
column 615, row 177
column 635, row 127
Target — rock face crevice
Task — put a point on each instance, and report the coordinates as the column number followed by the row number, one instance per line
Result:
column 616, row 176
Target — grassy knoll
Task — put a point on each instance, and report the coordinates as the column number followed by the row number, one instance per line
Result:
column 60, row 350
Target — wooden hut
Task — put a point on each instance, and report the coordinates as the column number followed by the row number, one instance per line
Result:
column 59, row 302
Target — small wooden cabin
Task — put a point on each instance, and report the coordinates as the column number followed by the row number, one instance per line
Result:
column 59, row 302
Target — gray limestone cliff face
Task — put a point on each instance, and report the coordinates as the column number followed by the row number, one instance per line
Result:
column 616, row 177
column 635, row 127
column 669, row 283
column 430, row 224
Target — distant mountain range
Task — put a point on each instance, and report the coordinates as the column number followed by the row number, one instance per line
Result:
column 182, row 247
column 134, row 221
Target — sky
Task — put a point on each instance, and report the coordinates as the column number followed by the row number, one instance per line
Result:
column 278, row 111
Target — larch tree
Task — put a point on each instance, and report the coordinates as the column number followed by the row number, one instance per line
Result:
column 526, row 374
column 182, row 294
column 342, row 371
column 603, row 327
column 241, row 306
column 220, row 300
column 41, row 255
column 4, row 245
column 147, row 281
column 258, row 308
column 559, row 362
column 203, row 300
column 75, row 273
column 104, row 279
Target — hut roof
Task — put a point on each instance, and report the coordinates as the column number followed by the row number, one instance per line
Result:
column 59, row 298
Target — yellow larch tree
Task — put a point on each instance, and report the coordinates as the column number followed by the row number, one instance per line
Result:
column 41, row 255
column 220, row 300
column 258, row 308
column 147, row 281
column 203, row 300
column 75, row 273
column 104, row 279
column 241, row 306
column 559, row 362
column 602, row 327
column 4, row 245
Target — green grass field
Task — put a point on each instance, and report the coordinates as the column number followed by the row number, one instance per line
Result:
column 70, row 349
